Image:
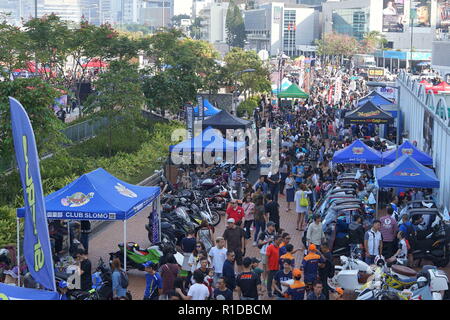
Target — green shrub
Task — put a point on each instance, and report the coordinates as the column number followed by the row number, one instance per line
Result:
column 248, row 106
column 8, row 228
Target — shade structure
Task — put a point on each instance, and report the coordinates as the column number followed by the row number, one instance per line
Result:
column 207, row 141
column 293, row 92
column 406, row 172
column 358, row 152
column 209, row 109
column 409, row 149
column 426, row 84
column 98, row 195
column 443, row 86
column 95, row 63
column 224, row 120
column 368, row 113
column 376, row 98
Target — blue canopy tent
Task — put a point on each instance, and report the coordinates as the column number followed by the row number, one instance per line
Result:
column 207, row 141
column 409, row 149
column 358, row 152
column 376, row 98
column 98, row 195
column 209, row 109
column 406, row 172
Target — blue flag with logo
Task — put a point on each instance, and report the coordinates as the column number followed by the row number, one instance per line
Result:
column 36, row 244
column 8, row 292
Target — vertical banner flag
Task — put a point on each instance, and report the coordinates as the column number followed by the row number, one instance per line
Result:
column 155, row 218
column 190, row 120
column 337, row 90
column 36, row 244
column 201, row 108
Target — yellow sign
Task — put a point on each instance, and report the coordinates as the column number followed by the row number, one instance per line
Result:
column 376, row 72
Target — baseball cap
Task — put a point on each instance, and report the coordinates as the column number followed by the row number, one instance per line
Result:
column 231, row 220
column 296, row 272
column 148, row 264
column 340, row 291
column 62, row 284
column 312, row 247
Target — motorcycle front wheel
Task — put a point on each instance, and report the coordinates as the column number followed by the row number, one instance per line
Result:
column 215, row 218
column 442, row 262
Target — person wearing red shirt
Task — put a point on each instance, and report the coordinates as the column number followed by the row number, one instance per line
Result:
column 273, row 256
column 236, row 212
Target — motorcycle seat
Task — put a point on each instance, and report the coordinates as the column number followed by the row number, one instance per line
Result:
column 404, row 271
column 408, row 280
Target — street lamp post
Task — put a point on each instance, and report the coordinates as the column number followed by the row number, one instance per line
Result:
column 384, row 85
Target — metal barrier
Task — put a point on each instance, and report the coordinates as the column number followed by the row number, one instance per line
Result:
column 427, row 121
column 85, row 130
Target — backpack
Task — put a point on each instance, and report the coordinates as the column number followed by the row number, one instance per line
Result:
column 303, row 200
column 123, row 279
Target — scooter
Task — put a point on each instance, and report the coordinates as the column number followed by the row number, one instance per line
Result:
column 352, row 273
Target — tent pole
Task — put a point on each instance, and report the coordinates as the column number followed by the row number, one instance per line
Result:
column 377, row 199
column 125, row 245
column 18, row 248
column 68, row 236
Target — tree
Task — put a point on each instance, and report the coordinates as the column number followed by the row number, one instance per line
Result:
column 13, row 50
column 195, row 28
column 118, row 95
column 37, row 97
column 182, row 67
column 235, row 26
column 238, row 60
column 372, row 41
column 337, row 44
column 176, row 20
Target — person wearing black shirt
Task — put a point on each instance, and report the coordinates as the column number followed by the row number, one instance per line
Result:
column 84, row 236
column 282, row 276
column 222, row 292
column 317, row 293
column 274, row 185
column 273, row 209
column 248, row 283
column 85, row 270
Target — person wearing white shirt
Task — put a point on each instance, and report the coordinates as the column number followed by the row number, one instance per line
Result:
column 198, row 291
column 373, row 242
column 218, row 255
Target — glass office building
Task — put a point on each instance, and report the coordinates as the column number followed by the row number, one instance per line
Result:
column 353, row 22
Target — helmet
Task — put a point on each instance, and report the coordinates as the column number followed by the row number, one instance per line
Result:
column 422, row 282
column 379, row 261
column 62, row 284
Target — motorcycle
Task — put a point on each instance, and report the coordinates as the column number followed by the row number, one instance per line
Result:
column 136, row 256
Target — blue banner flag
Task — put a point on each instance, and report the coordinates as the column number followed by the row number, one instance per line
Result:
column 36, row 244
column 8, row 292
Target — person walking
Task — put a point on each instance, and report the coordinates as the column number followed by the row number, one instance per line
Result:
column 117, row 273
column 373, row 242
column 265, row 239
column 290, row 190
column 85, row 230
column 248, row 283
column 235, row 212
column 249, row 215
column 310, row 265
column 260, row 219
column 218, row 255
column 235, row 238
column 389, row 229
column 315, row 232
column 222, row 292
column 238, row 178
column 228, row 270
column 188, row 246
column 273, row 256
column 153, row 281
column 301, row 205
column 273, row 211
column 169, row 272
column 274, row 180
column 205, row 235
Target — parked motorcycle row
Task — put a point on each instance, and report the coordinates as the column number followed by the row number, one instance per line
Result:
column 183, row 210
column 382, row 281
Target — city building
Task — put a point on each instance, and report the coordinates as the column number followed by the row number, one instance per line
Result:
column 213, row 25
column 280, row 27
column 182, row 7
column 441, row 45
column 156, row 13
column 90, row 11
column 410, row 41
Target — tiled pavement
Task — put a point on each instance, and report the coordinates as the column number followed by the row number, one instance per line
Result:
column 106, row 239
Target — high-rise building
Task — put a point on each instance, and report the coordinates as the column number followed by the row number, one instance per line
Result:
column 279, row 27
column 156, row 13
